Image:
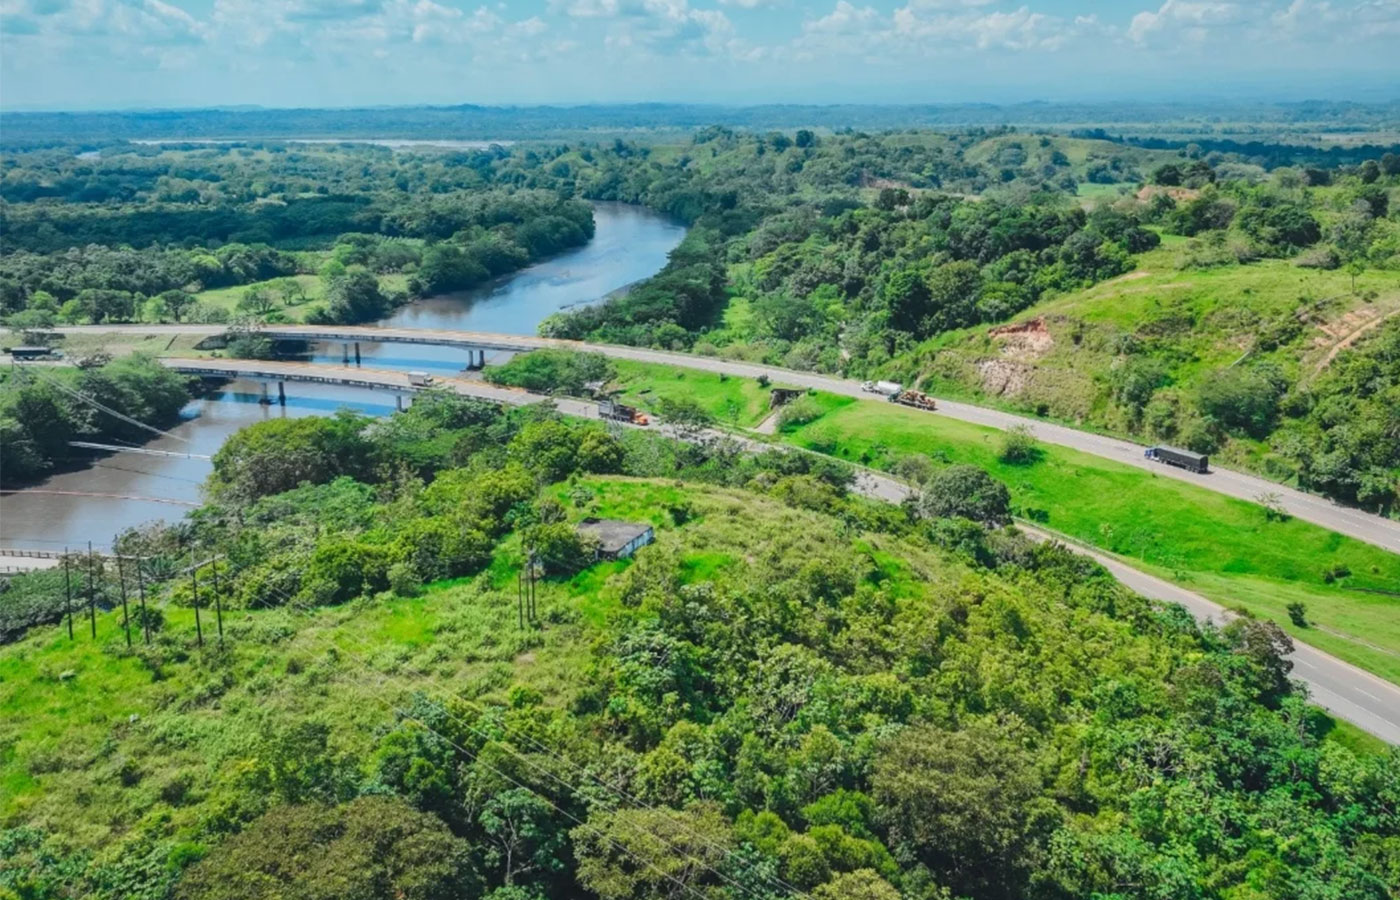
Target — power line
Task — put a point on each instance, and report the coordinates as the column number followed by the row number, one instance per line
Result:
column 476, row 757
column 103, row 407
column 571, row 787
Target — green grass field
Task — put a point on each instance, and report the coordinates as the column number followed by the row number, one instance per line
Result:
column 315, row 291
column 740, row 402
column 1195, row 322
column 1225, row 549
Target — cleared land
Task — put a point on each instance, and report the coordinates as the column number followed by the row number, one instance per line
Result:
column 1193, row 322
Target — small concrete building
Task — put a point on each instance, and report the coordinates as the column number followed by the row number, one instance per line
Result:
column 617, row 539
column 783, row 396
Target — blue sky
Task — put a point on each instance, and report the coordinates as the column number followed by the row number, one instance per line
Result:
column 85, row 54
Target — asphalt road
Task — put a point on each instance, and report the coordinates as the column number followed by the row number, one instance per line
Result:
column 1344, row 690
column 1382, row 532
column 1339, row 687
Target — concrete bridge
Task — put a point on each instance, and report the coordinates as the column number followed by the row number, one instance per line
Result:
column 1373, row 529
column 278, row 372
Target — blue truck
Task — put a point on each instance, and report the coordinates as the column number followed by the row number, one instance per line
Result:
column 1182, row 459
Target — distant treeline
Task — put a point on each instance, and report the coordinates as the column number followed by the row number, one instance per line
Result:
column 533, row 122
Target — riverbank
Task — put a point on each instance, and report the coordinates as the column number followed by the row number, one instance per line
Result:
column 629, row 244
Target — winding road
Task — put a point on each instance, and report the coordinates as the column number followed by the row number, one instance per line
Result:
column 1373, row 529
column 1347, row 692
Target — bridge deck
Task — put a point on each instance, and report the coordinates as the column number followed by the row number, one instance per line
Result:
column 373, row 379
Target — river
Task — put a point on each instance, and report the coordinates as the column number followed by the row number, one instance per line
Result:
column 630, row 244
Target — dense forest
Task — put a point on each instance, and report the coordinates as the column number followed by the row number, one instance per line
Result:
column 144, row 234
column 890, row 254
column 1306, row 122
column 42, row 410
column 792, row 691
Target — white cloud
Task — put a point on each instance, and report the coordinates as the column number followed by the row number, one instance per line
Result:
column 1186, row 18
column 929, row 27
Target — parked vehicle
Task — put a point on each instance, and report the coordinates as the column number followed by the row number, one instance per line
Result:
column 916, row 399
column 1182, row 459
column 887, row 388
column 19, row 354
column 420, row 379
column 619, row 412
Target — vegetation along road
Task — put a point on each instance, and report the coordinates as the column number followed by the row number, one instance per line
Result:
column 1344, row 690
column 1381, row 532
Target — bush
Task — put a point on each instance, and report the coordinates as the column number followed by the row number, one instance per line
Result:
column 1246, row 400
column 1019, row 446
column 342, row 569
column 553, row 371
column 404, row 580
column 967, row 492
column 559, row 548
column 799, row 412
column 372, row 848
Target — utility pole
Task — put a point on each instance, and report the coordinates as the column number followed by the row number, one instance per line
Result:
column 121, row 582
column 67, row 594
column 141, row 586
column 92, row 595
column 194, row 584
column 218, row 603
column 532, row 586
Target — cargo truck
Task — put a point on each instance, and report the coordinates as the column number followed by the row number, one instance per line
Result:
column 1182, row 459
column 916, row 399
column 885, row 388
column 618, row 412
column 420, row 379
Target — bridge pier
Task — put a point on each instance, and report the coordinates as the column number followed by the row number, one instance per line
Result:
column 399, row 399
column 266, row 400
column 357, row 353
column 281, row 393
column 345, row 353
column 476, row 359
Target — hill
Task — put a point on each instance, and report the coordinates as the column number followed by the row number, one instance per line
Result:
column 790, row 690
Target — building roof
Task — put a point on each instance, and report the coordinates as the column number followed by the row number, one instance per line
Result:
column 613, row 534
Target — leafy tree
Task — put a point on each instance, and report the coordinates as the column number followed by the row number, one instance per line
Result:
column 963, row 803
column 524, row 834
column 277, row 455
column 256, row 300
column 967, row 492
column 372, row 848
column 683, row 851
column 356, row 297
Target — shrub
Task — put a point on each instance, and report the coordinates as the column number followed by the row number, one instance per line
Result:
column 1246, row 400
column 1019, row 446
column 967, row 492
column 799, row 412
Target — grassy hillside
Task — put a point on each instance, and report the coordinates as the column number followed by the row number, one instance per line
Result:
column 1131, row 355
column 1232, row 551
column 1228, row 550
column 149, row 772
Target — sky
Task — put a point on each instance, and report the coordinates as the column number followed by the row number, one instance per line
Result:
column 102, row 54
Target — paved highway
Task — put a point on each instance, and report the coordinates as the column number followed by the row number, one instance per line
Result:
column 1382, row 532
column 1341, row 688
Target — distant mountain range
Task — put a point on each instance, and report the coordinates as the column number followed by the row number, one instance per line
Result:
column 1234, row 120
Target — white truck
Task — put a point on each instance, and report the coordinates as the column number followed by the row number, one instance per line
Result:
column 883, row 388
column 420, row 379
